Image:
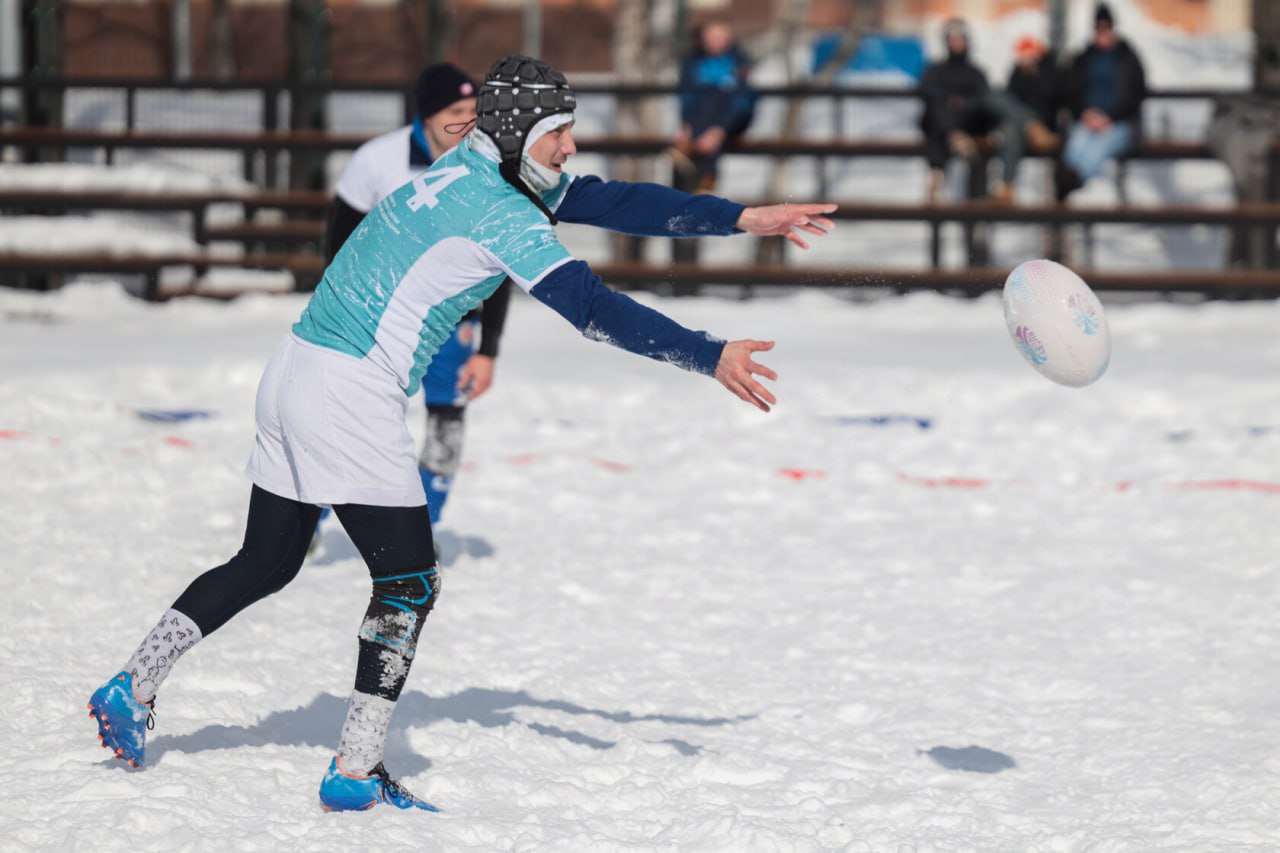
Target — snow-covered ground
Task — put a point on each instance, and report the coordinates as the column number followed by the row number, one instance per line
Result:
column 669, row 622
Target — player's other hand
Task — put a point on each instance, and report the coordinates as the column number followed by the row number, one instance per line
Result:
column 736, row 368
column 785, row 219
column 476, row 376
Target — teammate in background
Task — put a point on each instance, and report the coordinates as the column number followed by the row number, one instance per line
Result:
column 954, row 112
column 1104, row 90
column 445, row 99
column 717, row 103
column 332, row 402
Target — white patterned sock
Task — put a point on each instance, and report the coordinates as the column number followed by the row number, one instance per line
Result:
column 174, row 634
column 364, row 733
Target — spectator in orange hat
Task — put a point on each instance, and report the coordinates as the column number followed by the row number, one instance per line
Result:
column 1028, row 109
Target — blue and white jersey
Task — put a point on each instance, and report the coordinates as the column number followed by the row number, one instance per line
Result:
column 379, row 167
column 438, row 246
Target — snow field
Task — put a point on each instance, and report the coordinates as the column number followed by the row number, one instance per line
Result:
column 670, row 622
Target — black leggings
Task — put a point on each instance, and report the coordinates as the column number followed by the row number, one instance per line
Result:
column 394, row 541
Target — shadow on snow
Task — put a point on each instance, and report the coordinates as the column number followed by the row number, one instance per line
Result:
column 972, row 759
column 335, row 547
column 319, row 723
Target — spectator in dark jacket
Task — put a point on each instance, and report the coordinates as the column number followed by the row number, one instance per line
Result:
column 1028, row 110
column 1104, row 91
column 717, row 103
column 954, row 111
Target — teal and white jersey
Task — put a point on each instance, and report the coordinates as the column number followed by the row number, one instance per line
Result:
column 425, row 256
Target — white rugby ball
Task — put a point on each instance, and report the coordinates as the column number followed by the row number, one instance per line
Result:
column 1057, row 323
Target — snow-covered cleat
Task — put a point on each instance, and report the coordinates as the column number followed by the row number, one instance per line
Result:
column 122, row 720
column 342, row 793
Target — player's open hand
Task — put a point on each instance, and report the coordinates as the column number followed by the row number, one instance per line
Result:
column 476, row 375
column 736, row 368
column 786, row 219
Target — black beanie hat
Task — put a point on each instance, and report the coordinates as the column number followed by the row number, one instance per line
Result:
column 1102, row 15
column 439, row 86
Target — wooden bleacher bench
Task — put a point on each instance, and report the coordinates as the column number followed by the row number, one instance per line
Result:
column 287, row 140
column 327, row 141
column 306, row 268
column 970, row 281
column 985, row 210
column 77, row 199
column 311, row 206
column 289, row 232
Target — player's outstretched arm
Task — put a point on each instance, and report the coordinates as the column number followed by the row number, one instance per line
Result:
column 784, row 219
column 737, row 371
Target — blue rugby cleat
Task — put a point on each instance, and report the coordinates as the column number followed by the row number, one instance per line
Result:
column 122, row 720
column 342, row 793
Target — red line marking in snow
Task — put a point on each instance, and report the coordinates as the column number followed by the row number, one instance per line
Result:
column 611, row 465
column 1231, row 485
column 944, row 482
column 522, row 459
column 799, row 474
column 1124, row 486
column 175, row 441
column 14, row 433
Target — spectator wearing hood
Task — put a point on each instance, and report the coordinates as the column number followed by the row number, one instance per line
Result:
column 953, row 91
column 1104, row 90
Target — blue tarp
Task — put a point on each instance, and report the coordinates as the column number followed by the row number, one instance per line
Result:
column 877, row 53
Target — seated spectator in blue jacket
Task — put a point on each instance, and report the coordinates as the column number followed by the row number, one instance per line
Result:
column 717, row 103
column 955, row 111
column 1104, row 91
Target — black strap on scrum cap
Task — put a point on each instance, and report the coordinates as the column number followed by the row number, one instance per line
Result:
column 519, row 92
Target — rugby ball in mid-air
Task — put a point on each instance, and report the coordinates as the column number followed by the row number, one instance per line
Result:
column 1057, row 323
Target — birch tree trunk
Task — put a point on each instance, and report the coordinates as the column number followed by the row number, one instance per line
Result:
column 644, row 36
column 1266, row 56
column 223, row 52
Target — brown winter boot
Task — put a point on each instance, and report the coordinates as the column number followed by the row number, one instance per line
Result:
column 1041, row 139
column 1003, row 194
column 937, row 178
column 962, row 144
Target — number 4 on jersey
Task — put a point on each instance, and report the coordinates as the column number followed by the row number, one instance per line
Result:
column 429, row 185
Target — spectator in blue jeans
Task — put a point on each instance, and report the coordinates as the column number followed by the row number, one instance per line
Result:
column 1104, row 91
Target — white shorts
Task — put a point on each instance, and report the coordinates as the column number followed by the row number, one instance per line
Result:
column 332, row 430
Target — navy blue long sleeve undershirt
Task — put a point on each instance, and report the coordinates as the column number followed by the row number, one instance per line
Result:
column 647, row 210
column 576, row 293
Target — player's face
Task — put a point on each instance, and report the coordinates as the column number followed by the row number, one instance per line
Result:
column 554, row 148
column 446, row 127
